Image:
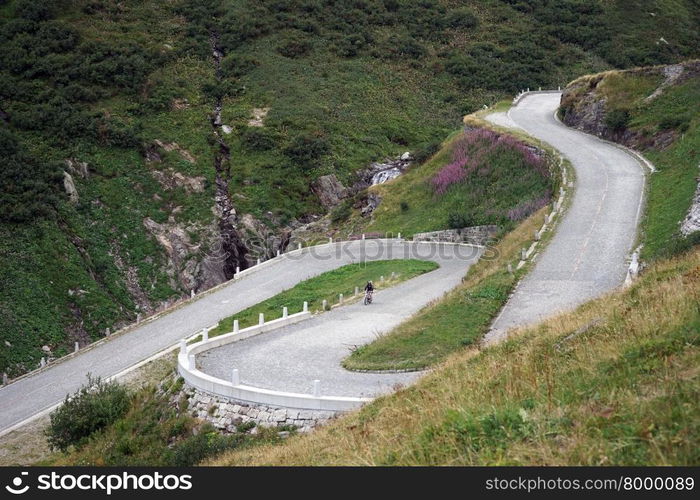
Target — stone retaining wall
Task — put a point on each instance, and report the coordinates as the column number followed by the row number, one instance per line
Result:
column 227, row 415
column 476, row 235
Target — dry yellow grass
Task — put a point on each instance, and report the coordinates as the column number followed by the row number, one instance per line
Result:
column 614, row 382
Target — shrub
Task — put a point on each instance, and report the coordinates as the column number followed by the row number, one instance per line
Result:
column 404, row 206
column 93, row 407
column 617, row 119
column 294, row 46
column 462, row 18
column 259, row 139
column 207, row 443
column 305, row 149
column 28, row 187
column 341, row 213
column 679, row 122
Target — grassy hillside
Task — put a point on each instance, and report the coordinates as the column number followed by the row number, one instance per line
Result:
column 99, row 82
column 613, row 383
column 666, row 128
column 477, row 177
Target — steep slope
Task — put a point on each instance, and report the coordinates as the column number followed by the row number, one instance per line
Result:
column 122, row 96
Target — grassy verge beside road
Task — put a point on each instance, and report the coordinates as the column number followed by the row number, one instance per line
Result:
column 327, row 286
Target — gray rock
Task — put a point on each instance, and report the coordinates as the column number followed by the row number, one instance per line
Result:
column 69, row 186
column 329, row 190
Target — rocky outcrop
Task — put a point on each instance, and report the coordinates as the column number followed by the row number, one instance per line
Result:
column 79, row 168
column 369, row 204
column 329, row 190
column 475, row 235
column 69, row 186
column 258, row 118
column 261, row 241
column 172, row 179
column 189, row 265
column 584, row 106
column 691, row 223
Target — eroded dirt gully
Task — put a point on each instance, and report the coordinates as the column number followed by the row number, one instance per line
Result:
column 233, row 247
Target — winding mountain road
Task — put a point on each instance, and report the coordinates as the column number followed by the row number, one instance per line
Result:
column 34, row 394
column 585, row 258
column 588, row 254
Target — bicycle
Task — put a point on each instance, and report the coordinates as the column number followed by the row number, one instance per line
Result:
column 368, row 297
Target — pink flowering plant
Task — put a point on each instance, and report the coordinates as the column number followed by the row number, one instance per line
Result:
column 492, row 178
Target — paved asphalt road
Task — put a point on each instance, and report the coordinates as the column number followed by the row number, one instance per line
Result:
column 291, row 358
column 588, row 254
column 29, row 396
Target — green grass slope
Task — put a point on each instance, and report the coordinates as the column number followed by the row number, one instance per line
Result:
column 98, row 81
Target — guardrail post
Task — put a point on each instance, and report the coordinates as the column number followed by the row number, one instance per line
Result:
column 278, row 253
column 138, row 318
column 398, row 236
column 510, row 268
column 363, row 236
column 357, row 290
column 306, row 307
column 192, row 293
column 340, row 298
column 285, row 312
column 108, row 332
column 43, row 362
column 330, row 240
column 77, row 347
column 324, row 304
column 261, row 319
column 381, row 279
column 258, row 262
column 393, row 275
column 537, row 235
column 235, row 377
column 299, row 246
column 205, row 335
column 317, row 388
column 4, row 378
column 238, row 270
column 523, row 254
column 235, row 326
column 183, row 346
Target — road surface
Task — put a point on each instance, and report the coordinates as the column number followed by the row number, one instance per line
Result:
column 31, row 395
column 588, row 255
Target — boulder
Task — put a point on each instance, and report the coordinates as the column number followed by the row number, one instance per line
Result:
column 329, row 190
column 70, row 188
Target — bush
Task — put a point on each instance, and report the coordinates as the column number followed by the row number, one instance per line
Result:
column 94, row 406
column 294, row 46
column 207, row 443
column 678, row 122
column 259, row 139
column 462, row 18
column 404, row 206
column 617, row 119
column 306, row 149
column 341, row 213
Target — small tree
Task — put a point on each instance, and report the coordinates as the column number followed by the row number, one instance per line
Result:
column 91, row 408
